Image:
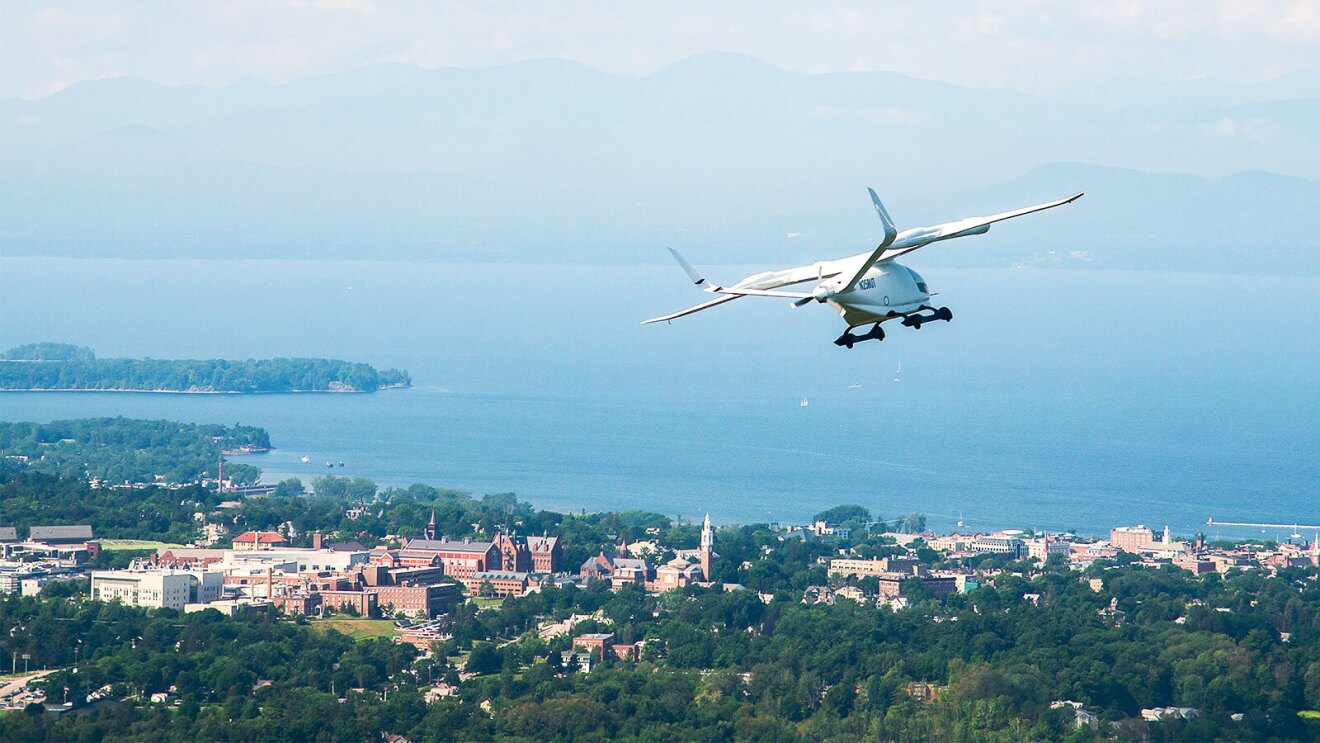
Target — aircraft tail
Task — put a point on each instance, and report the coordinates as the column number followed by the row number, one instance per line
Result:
column 697, row 278
column 891, row 231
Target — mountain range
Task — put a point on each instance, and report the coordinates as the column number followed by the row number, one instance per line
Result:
column 723, row 156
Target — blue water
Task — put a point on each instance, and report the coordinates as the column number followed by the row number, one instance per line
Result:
column 1056, row 399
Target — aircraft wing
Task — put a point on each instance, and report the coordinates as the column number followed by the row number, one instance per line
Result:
column 690, row 310
column 910, row 240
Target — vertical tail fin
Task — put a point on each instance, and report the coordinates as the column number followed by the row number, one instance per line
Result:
column 697, row 278
column 891, row 231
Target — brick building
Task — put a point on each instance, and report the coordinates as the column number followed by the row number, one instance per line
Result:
column 416, row 600
column 515, row 557
column 460, row 558
column 361, row 602
column 603, row 643
column 501, row 582
column 893, row 585
column 546, row 554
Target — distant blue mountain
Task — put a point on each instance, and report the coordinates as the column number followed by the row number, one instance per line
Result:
column 553, row 161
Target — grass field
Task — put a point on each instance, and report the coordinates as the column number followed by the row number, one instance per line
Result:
column 488, row 603
column 358, row 629
column 135, row 544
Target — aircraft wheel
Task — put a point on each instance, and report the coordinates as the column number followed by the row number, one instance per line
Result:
column 946, row 314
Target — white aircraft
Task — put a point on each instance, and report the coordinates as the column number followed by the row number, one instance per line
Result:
column 866, row 288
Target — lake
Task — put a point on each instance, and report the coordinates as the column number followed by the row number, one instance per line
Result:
column 1055, row 399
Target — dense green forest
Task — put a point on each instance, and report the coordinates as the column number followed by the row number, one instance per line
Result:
column 715, row 666
column 55, row 366
column 127, row 449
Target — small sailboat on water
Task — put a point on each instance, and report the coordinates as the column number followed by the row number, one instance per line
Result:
column 898, row 375
column 804, row 403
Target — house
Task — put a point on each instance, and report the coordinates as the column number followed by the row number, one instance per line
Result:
column 252, row 541
column 628, row 571
column 597, row 567
column 603, row 644
column 1155, row 714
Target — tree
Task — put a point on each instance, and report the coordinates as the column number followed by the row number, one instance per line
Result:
column 484, row 658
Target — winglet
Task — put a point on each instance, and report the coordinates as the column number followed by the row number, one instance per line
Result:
column 697, row 278
column 891, row 232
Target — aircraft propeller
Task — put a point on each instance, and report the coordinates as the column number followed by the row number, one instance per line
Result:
column 821, row 293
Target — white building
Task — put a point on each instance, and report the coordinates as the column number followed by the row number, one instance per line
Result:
column 999, row 544
column 156, row 589
column 306, row 560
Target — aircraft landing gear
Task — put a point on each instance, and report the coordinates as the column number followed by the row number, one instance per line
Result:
column 915, row 321
column 847, row 340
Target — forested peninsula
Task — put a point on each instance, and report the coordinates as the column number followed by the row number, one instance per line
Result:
column 119, row 450
column 64, row 367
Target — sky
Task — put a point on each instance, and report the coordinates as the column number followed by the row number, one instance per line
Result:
column 1032, row 45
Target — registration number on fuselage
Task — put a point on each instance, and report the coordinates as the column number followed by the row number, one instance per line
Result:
column 865, row 284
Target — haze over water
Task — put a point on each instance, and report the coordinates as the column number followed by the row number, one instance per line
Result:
column 1056, row 398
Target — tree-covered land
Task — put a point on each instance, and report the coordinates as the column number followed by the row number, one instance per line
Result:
column 128, row 450
column 54, row 366
column 157, row 514
column 715, row 666
column 47, row 351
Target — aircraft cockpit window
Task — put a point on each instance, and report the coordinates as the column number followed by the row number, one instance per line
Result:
column 920, row 282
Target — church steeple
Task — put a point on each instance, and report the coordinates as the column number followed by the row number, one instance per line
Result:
column 707, row 542
column 431, row 527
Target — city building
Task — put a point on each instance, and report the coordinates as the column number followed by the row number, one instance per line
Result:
column 1042, row 547
column 156, row 589
column 603, row 644
column 75, row 534
column 845, row 567
column 677, row 573
column 1131, row 538
column 460, row 558
column 361, row 603
column 893, row 585
column 416, row 600
column 998, row 544
column 546, row 554
column 499, row 583
column 515, row 557
column 251, row 541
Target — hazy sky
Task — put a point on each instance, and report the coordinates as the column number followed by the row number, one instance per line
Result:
column 1027, row 44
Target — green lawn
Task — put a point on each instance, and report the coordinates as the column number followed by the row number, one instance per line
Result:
column 135, row 544
column 1310, row 714
column 488, row 603
column 358, row 629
